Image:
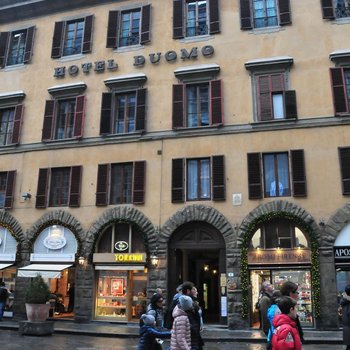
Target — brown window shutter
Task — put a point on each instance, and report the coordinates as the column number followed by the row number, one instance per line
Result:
column 178, row 105
column 56, row 50
column 339, row 91
column 178, row 19
column 106, row 114
column 112, row 31
column 140, row 109
column 102, row 185
column 17, row 124
column 214, row 22
column 138, row 193
column 177, row 181
column 284, row 11
column 298, row 173
column 29, row 45
column 4, row 36
column 41, row 194
column 48, row 120
column 246, row 16
column 264, row 98
column 327, row 9
column 79, row 116
column 344, row 158
column 145, row 25
column 290, row 103
column 87, row 41
column 75, row 186
column 216, row 102
column 254, row 176
column 218, row 171
column 10, row 189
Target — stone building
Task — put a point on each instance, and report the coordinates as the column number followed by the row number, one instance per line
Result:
column 145, row 143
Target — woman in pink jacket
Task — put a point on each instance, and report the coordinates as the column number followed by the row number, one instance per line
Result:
column 181, row 331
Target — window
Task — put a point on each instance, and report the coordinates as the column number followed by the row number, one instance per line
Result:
column 270, row 174
column 121, row 183
column 196, row 105
column 264, row 13
column 340, row 80
column 72, row 37
column 7, row 184
column 198, row 179
column 64, row 118
column 58, row 187
column 195, row 17
column 16, row 47
column 129, row 27
column 123, row 112
column 6, row 125
column 344, row 159
column 335, row 9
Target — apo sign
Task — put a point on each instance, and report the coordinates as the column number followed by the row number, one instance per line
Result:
column 341, row 253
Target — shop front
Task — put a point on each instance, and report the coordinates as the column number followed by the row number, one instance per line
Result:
column 120, row 274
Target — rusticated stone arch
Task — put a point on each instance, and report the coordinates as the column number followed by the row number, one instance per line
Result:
column 122, row 214
column 9, row 222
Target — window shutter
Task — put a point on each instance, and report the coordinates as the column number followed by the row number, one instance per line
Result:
column 140, row 109
column 17, row 124
column 264, row 98
column 75, row 186
column 106, row 113
column 216, row 102
column 254, row 176
column 145, row 24
column 178, row 18
column 87, row 41
column 138, row 195
column 10, row 189
column 246, row 16
column 298, row 173
column 218, row 171
column 56, row 50
column 112, row 31
column 79, row 116
column 344, row 158
column 327, row 9
column 102, row 185
column 48, row 120
column 177, row 181
column 178, row 105
column 29, row 45
column 284, row 11
column 41, row 194
column 4, row 36
column 290, row 103
column 339, row 91
column 214, row 25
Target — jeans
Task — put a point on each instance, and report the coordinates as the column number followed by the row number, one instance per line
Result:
column 2, row 308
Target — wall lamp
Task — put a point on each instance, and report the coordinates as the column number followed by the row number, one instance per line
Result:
column 26, row 195
column 81, row 261
column 154, row 259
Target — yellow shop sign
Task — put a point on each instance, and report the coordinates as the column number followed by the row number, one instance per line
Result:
column 130, row 258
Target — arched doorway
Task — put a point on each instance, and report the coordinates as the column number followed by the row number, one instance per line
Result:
column 197, row 253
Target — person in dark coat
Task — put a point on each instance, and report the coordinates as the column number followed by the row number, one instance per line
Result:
column 148, row 334
column 345, row 304
column 264, row 304
column 156, row 304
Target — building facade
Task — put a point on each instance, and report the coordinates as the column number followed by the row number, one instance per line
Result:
column 145, row 143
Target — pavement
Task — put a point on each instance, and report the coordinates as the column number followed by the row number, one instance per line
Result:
column 211, row 333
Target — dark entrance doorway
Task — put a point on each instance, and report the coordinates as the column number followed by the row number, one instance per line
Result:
column 197, row 254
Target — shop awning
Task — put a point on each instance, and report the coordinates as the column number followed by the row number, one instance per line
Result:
column 119, row 267
column 4, row 266
column 45, row 270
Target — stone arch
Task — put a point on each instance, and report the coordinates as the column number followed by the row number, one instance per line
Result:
column 9, row 222
column 122, row 214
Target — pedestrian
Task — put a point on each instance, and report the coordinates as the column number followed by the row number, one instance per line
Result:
column 264, row 304
column 156, row 304
column 71, row 295
column 345, row 305
column 272, row 311
column 290, row 289
column 286, row 335
column 181, row 331
column 168, row 315
column 4, row 294
column 148, row 334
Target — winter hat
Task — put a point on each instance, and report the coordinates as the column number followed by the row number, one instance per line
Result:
column 148, row 320
column 152, row 313
column 185, row 302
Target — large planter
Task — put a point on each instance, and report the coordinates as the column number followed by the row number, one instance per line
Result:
column 37, row 312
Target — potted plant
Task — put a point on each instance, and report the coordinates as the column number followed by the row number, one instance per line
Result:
column 37, row 297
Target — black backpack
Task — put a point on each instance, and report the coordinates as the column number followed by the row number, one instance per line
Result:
column 168, row 316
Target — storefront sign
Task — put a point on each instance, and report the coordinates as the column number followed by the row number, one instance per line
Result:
column 121, row 258
column 341, row 253
column 283, row 256
column 121, row 246
column 129, row 258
